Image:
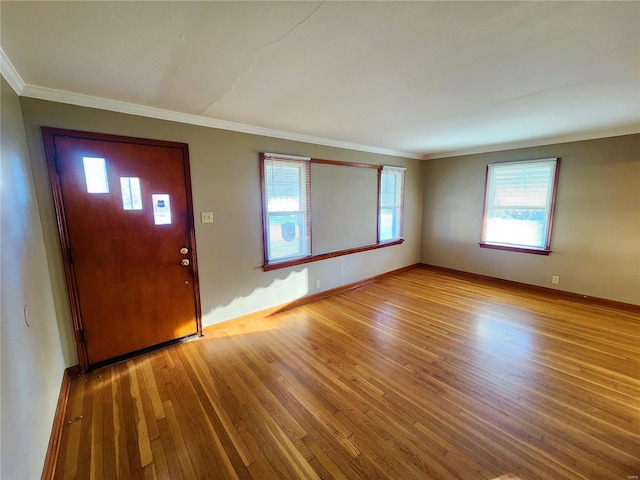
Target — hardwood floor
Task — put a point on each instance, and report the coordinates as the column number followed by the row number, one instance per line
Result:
column 420, row 376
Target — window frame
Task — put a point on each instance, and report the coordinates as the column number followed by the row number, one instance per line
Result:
column 399, row 173
column 310, row 257
column 549, row 207
column 306, row 185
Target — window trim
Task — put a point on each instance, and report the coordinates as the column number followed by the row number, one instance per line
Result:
column 265, row 205
column 269, row 265
column 323, row 256
column 399, row 206
column 546, row 250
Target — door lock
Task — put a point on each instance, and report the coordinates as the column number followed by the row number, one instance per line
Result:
column 185, row 262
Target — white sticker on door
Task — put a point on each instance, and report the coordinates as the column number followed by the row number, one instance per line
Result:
column 161, row 208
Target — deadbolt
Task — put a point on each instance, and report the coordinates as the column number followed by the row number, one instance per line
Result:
column 184, row 250
column 185, row 261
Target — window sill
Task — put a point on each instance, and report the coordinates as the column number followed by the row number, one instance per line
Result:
column 511, row 248
column 323, row 256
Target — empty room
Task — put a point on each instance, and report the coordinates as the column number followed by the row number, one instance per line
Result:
column 320, row 240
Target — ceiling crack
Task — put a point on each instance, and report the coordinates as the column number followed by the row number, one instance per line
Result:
column 255, row 52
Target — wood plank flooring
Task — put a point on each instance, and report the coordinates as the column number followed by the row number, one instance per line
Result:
column 423, row 375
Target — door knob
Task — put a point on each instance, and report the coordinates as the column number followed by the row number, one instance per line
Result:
column 185, row 261
column 184, row 250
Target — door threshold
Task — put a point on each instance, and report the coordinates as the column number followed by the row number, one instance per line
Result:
column 137, row 353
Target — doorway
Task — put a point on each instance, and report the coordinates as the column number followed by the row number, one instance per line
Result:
column 125, row 220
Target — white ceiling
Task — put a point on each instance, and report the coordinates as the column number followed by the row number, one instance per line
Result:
column 428, row 79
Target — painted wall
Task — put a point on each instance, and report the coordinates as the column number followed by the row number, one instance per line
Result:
column 226, row 181
column 31, row 360
column 596, row 231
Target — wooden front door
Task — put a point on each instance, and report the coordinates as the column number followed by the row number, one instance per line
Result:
column 126, row 226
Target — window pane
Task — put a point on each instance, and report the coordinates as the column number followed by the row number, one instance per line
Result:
column 286, row 204
column 524, row 185
column 390, row 215
column 95, row 174
column 161, row 208
column 131, row 195
column 516, row 227
column 286, row 236
column 388, row 223
column 388, row 189
column 518, row 203
column 284, row 188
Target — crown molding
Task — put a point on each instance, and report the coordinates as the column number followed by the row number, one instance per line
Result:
column 62, row 96
column 543, row 141
column 14, row 79
column 10, row 73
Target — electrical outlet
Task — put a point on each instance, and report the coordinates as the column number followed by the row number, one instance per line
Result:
column 317, row 283
column 555, row 279
column 206, row 217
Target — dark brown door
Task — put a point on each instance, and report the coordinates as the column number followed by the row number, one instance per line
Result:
column 124, row 206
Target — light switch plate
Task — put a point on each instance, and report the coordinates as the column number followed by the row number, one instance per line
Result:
column 206, row 217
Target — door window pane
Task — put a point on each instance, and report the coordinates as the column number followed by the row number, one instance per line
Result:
column 161, row 208
column 95, row 174
column 131, row 195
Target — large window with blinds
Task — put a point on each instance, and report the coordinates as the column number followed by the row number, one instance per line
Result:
column 519, row 204
column 354, row 207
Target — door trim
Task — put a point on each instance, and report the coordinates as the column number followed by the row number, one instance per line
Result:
column 49, row 134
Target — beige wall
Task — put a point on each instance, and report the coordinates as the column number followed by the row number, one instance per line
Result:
column 31, row 359
column 596, row 231
column 596, row 240
column 225, row 177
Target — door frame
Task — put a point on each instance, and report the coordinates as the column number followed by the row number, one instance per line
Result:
column 49, row 134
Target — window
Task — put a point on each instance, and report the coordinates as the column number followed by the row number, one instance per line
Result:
column 344, row 206
column 286, row 205
column 161, row 208
column 519, row 203
column 391, row 198
column 95, row 174
column 131, row 194
column 356, row 207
